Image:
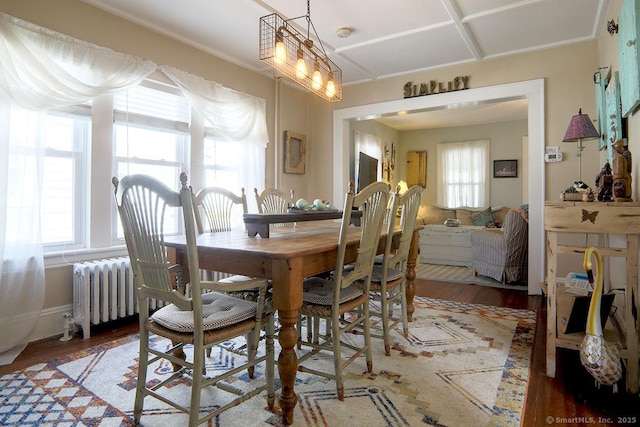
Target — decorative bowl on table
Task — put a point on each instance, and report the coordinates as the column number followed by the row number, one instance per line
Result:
column 301, row 204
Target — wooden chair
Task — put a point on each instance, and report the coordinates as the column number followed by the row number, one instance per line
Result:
column 272, row 200
column 147, row 208
column 389, row 279
column 330, row 299
column 219, row 206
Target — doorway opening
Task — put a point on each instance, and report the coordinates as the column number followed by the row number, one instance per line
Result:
column 532, row 90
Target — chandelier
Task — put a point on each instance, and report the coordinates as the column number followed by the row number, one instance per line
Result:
column 295, row 56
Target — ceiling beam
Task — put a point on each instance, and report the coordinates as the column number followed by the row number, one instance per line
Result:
column 454, row 11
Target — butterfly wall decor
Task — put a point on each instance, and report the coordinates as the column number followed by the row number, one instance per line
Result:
column 589, row 216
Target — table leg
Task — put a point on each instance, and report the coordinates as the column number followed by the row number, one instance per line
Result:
column 288, row 362
column 411, row 274
column 287, row 299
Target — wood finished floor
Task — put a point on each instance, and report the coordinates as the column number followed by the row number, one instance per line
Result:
column 569, row 399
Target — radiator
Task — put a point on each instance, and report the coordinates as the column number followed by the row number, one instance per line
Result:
column 104, row 290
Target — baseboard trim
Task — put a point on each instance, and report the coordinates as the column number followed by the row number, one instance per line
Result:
column 51, row 322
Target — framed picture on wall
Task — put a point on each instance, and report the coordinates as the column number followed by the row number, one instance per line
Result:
column 295, row 149
column 505, row 168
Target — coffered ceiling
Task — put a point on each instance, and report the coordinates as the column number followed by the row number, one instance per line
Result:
column 387, row 38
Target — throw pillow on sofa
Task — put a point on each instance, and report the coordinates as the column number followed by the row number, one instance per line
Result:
column 483, row 218
column 465, row 213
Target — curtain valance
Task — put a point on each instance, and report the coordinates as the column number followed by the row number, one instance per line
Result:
column 233, row 115
column 41, row 69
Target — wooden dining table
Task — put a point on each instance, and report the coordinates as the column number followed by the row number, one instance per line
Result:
column 291, row 253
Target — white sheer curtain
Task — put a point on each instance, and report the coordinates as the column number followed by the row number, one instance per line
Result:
column 39, row 70
column 463, row 174
column 370, row 145
column 233, row 115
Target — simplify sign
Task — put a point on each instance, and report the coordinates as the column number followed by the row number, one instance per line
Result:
column 459, row 83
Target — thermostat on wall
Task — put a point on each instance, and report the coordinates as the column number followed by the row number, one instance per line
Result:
column 552, row 157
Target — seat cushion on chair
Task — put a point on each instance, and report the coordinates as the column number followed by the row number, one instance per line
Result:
column 218, row 310
column 249, row 294
column 238, row 278
column 320, row 291
column 392, row 274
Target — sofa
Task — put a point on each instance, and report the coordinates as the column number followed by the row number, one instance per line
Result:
column 490, row 217
column 452, row 245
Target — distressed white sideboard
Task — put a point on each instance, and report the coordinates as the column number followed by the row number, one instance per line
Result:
column 440, row 244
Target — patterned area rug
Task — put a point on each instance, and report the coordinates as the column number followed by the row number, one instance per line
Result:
column 456, row 274
column 463, row 365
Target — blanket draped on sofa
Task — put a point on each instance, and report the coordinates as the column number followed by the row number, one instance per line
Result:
column 503, row 254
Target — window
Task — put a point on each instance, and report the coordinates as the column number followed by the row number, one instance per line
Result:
column 63, row 201
column 59, row 158
column 148, row 129
column 463, row 174
column 222, row 168
column 151, row 136
column 221, row 162
column 65, row 136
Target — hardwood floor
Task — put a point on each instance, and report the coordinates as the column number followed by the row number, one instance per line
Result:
column 569, row 399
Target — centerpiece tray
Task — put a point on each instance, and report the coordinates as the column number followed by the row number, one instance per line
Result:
column 259, row 223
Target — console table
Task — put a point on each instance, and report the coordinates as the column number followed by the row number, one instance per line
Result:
column 600, row 219
column 440, row 244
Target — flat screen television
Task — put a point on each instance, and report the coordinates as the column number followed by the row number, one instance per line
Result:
column 367, row 170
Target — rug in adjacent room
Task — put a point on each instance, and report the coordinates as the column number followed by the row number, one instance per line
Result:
column 461, row 274
column 464, row 364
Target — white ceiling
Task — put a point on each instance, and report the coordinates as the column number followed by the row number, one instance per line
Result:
column 389, row 38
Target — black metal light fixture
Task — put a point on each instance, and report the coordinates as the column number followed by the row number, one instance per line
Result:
column 297, row 57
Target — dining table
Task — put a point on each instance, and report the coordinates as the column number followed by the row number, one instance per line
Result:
column 290, row 253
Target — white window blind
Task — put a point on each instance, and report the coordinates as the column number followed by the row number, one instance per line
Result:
column 151, row 135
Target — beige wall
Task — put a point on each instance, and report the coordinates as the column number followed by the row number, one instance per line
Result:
column 506, row 143
column 505, row 139
column 567, row 71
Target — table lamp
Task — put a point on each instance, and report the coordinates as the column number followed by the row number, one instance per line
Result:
column 403, row 186
column 580, row 128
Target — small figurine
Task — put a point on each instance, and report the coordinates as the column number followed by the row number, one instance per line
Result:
column 604, row 184
column 589, row 195
column 621, row 172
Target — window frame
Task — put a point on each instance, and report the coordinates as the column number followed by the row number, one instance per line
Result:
column 82, row 126
column 181, row 131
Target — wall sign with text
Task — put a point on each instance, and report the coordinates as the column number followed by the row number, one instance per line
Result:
column 433, row 87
